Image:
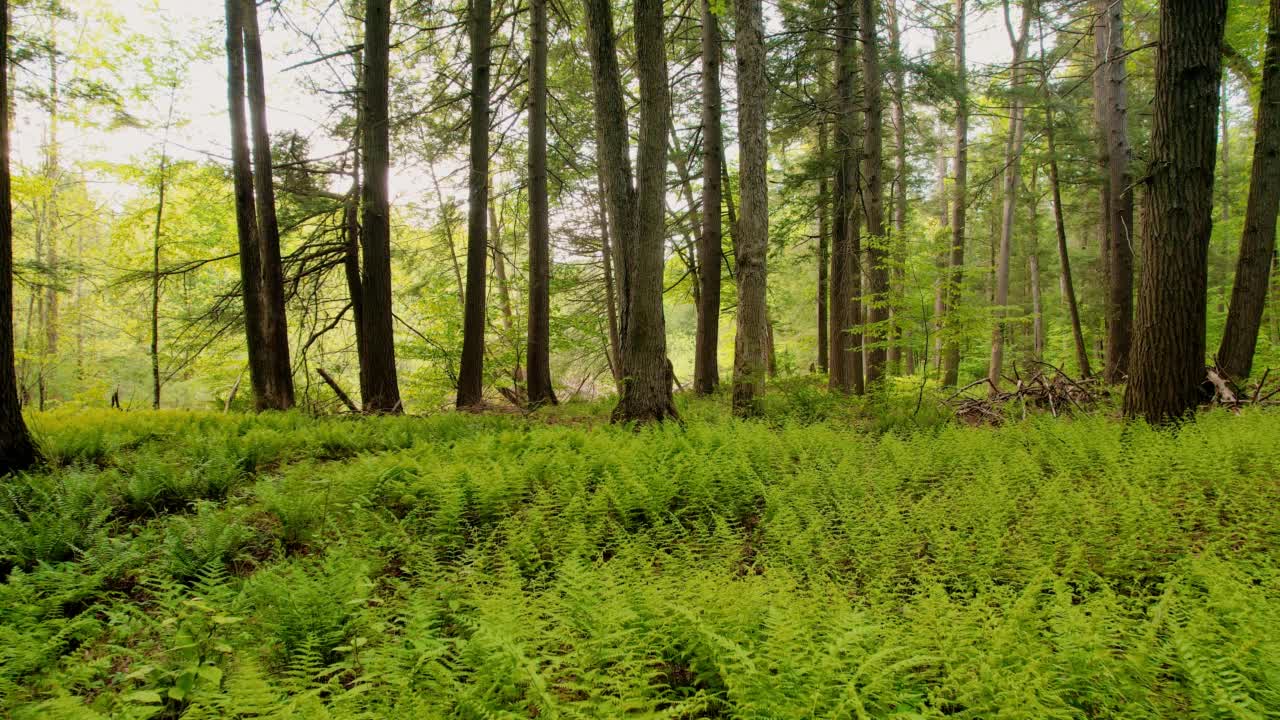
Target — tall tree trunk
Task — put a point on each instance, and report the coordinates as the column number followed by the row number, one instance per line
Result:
column 943, row 261
column 155, row 278
column 951, row 349
column 846, row 307
column 872, row 196
column 1012, row 181
column 751, row 344
column 471, row 372
column 538, row 352
column 706, row 375
column 1033, row 269
column 379, row 330
column 275, row 327
column 1167, row 367
column 351, row 232
column 52, row 171
column 17, row 452
column 246, row 212
column 1258, row 242
column 898, row 246
column 1225, row 146
column 610, row 291
column 824, row 203
column 1120, row 203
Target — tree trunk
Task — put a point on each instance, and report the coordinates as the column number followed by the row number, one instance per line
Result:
column 1120, row 203
column 951, row 349
column 872, row 196
column 53, row 161
column 275, row 327
column 351, row 233
column 471, row 372
column 1012, row 181
column 1167, row 367
column 538, row 352
column 752, row 341
column 17, row 452
column 1258, row 242
column 900, row 342
column 824, row 202
column 246, row 212
column 706, row 375
column 943, row 262
column 610, row 291
column 155, row 284
column 846, row 307
column 1033, row 269
column 379, row 331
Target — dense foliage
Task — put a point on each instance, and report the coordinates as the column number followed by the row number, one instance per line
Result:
column 830, row 561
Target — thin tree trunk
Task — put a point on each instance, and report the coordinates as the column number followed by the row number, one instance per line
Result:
column 1120, row 204
column 538, row 351
column 1258, row 241
column 379, row 331
column 52, row 172
column 872, row 195
column 707, row 345
column 824, row 203
column 1033, row 269
column 446, row 217
column 943, row 262
column 351, row 232
column 901, row 341
column 246, row 213
column 275, row 328
column 1012, row 181
column 610, row 291
column 951, row 349
column 155, row 280
column 751, row 344
column 1167, row 367
column 17, row 451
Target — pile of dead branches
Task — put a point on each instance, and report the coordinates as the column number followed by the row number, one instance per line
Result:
column 1222, row 391
column 1049, row 389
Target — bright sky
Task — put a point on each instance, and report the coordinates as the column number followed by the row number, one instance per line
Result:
column 200, row 102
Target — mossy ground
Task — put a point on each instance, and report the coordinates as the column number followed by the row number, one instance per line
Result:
column 836, row 559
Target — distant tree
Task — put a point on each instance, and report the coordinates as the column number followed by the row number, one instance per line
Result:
column 1258, row 242
column 1167, row 366
column 1119, row 205
column 960, row 203
column 707, row 336
column 17, row 451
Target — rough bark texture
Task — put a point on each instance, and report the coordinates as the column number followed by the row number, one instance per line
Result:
column 824, row 232
column 610, row 291
column 706, row 372
column 872, row 196
column 1258, row 242
column 1167, row 366
column 538, row 351
column 846, row 352
column 1012, row 182
column 471, row 370
column 383, row 394
column 751, row 344
column 1120, row 203
column 246, row 212
column 951, row 347
column 275, row 326
column 17, row 452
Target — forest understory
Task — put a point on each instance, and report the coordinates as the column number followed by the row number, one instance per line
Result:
column 874, row 558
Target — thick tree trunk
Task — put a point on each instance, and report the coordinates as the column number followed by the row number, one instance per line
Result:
column 17, row 451
column 1167, row 367
column 1258, row 242
column 706, row 374
column 846, row 307
column 824, row 203
column 1120, row 202
column 752, row 341
column 872, row 195
column 275, row 327
column 471, row 371
column 246, row 212
column 1012, row 181
column 538, row 351
column 379, row 330
column 951, row 349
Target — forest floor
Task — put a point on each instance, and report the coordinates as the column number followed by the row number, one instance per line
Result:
column 833, row 560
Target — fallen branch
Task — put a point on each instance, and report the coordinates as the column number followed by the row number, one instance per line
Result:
column 337, row 390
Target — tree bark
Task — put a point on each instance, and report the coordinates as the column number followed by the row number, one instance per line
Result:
column 155, row 284
column 1167, row 367
column 951, row 342
column 706, row 374
column 751, row 344
column 17, row 451
column 1012, row 181
column 610, row 290
column 1258, row 241
column 471, row 371
column 872, row 196
column 538, row 351
column 824, row 203
column 1120, row 202
column 900, row 338
column 384, row 388
column 275, row 327
column 846, row 306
